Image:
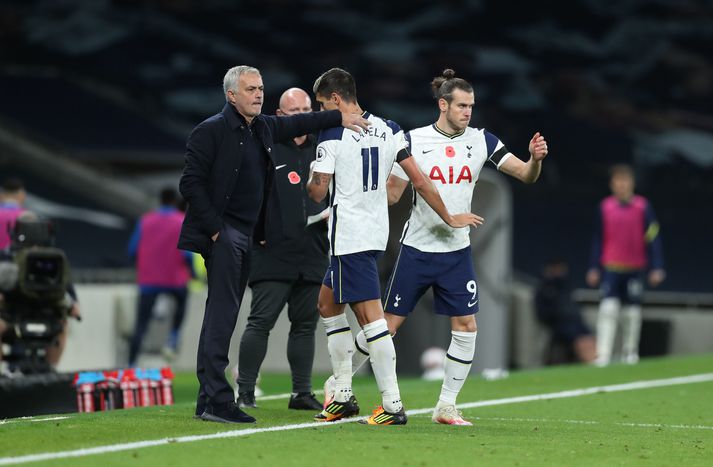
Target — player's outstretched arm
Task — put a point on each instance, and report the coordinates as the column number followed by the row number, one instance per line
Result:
column 527, row 172
column 428, row 191
column 318, row 185
column 395, row 187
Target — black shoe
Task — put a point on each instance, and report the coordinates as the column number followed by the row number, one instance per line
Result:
column 226, row 413
column 200, row 407
column 246, row 400
column 304, row 401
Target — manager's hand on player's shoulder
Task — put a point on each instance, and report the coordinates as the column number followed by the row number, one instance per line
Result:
column 465, row 219
column 355, row 122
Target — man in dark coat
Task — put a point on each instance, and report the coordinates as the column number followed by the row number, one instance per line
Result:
column 228, row 182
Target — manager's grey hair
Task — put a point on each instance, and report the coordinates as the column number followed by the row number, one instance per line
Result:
column 230, row 81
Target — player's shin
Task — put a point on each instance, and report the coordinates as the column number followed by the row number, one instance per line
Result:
column 361, row 355
column 458, row 361
column 631, row 330
column 383, row 363
column 606, row 329
column 341, row 350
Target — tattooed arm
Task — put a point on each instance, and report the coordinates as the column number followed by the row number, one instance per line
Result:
column 318, row 185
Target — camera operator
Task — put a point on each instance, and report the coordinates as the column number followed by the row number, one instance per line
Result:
column 36, row 297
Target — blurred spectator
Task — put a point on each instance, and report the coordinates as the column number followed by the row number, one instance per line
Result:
column 290, row 272
column 571, row 339
column 12, row 198
column 626, row 242
column 161, row 269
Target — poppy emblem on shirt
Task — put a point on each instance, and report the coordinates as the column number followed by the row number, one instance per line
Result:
column 294, row 177
column 450, row 152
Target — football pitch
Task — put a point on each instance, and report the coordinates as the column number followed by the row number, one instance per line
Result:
column 659, row 412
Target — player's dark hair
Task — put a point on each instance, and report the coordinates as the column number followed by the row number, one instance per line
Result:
column 621, row 169
column 444, row 85
column 168, row 197
column 336, row 81
column 12, row 185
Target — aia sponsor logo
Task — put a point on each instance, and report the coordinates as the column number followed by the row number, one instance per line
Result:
column 450, row 177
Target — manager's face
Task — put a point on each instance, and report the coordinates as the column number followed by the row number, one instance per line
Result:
column 248, row 97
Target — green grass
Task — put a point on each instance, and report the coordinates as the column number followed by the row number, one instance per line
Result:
column 656, row 426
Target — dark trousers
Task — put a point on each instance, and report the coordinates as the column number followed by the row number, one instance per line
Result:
column 227, row 266
column 147, row 300
column 268, row 300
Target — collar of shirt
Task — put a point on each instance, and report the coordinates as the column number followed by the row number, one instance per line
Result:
column 235, row 119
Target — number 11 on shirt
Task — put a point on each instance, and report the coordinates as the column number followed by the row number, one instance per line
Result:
column 370, row 157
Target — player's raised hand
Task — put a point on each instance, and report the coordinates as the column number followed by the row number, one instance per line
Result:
column 466, row 219
column 538, row 147
column 355, row 122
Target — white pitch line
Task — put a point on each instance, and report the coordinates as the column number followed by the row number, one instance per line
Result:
column 32, row 419
column 654, row 383
column 593, row 422
column 701, row 378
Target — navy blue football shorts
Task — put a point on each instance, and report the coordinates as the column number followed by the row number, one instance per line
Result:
column 451, row 275
column 626, row 286
column 354, row 277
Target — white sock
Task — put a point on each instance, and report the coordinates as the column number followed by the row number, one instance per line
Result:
column 630, row 330
column 341, row 349
column 362, row 352
column 606, row 329
column 459, row 359
column 383, row 362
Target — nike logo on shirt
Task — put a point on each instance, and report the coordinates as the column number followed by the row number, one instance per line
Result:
column 426, row 152
column 280, row 166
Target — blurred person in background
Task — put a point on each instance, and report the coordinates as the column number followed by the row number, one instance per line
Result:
column 572, row 339
column 161, row 269
column 289, row 273
column 12, row 198
column 626, row 243
column 229, row 183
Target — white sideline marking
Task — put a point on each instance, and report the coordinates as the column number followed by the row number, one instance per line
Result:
column 701, row 378
column 593, row 422
column 653, row 383
column 31, row 419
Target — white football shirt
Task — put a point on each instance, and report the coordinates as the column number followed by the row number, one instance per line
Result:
column 453, row 163
column 360, row 164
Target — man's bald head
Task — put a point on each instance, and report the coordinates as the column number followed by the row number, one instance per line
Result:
column 294, row 101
